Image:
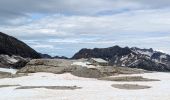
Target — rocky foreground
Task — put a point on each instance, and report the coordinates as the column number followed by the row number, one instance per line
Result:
column 60, row 66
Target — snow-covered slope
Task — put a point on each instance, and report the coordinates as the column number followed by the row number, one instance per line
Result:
column 145, row 58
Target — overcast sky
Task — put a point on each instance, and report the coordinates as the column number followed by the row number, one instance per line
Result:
column 63, row 27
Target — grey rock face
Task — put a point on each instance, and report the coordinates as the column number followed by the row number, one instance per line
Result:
column 12, row 61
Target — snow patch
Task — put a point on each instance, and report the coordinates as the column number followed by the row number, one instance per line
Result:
column 13, row 60
column 84, row 64
column 134, row 63
column 124, row 58
column 8, row 70
column 145, row 53
column 163, row 57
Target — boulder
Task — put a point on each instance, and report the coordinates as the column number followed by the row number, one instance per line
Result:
column 57, row 66
column 12, row 61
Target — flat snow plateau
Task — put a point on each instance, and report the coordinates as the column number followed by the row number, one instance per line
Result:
column 92, row 89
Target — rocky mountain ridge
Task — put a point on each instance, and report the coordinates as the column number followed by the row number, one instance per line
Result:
column 12, row 46
column 147, row 59
column 46, row 56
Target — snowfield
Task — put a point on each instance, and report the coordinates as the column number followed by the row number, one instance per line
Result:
column 92, row 89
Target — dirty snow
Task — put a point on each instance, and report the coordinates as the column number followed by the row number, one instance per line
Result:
column 92, row 89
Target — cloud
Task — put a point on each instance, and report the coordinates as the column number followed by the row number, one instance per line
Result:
column 51, row 26
column 61, row 26
column 153, row 3
column 43, row 46
column 17, row 9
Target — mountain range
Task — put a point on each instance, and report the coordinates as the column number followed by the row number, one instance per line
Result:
column 129, row 57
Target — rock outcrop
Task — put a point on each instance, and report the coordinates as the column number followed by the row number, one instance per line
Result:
column 12, row 46
column 16, row 62
column 147, row 59
column 59, row 66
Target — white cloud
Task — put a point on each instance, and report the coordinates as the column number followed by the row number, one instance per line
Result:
column 72, row 25
column 138, row 22
column 17, row 9
column 43, row 46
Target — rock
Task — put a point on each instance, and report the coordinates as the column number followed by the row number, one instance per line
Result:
column 87, row 72
column 12, row 61
column 59, row 66
column 128, row 79
column 130, row 86
column 5, row 75
column 12, row 46
column 50, row 87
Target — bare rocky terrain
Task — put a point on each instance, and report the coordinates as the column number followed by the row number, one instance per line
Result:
column 13, row 61
column 60, row 66
column 130, row 86
column 5, row 75
column 128, row 79
column 50, row 87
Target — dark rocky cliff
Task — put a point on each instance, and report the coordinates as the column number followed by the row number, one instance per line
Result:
column 12, row 46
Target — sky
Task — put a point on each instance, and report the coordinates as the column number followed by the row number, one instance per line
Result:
column 63, row 27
